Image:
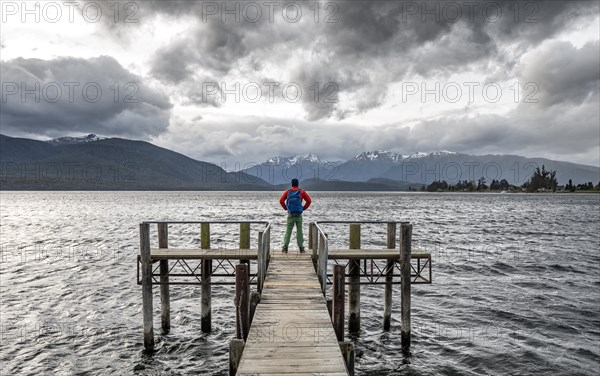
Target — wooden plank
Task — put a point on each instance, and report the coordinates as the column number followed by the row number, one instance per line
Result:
column 308, row 366
column 350, row 254
column 272, row 349
column 310, row 352
column 199, row 254
column 291, row 332
column 294, row 373
column 290, row 360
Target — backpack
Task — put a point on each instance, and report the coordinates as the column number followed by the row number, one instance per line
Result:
column 294, row 202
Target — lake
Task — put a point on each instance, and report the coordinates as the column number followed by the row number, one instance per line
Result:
column 516, row 281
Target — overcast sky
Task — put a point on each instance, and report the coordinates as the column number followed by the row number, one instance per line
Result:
column 244, row 81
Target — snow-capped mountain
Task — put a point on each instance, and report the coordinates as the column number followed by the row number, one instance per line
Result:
column 75, row 140
column 378, row 155
column 280, row 170
column 423, row 168
column 441, row 153
column 388, row 155
column 365, row 166
column 295, row 159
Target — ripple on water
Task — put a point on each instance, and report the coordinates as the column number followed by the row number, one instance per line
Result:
column 515, row 285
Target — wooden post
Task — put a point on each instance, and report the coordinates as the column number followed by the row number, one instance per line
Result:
column 322, row 264
column 165, row 301
column 354, row 287
column 244, row 235
column 206, row 266
column 389, row 277
column 242, row 301
column 321, row 247
column 205, row 235
column 391, row 235
column 236, row 348
column 339, row 300
column 268, row 247
column 260, row 262
column 254, row 300
column 315, row 241
column 310, row 236
column 355, row 236
column 405, row 250
column 347, row 349
column 146, row 260
column 245, row 239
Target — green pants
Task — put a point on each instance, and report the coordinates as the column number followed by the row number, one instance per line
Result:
column 291, row 220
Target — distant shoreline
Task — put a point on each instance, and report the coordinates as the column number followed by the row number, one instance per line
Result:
column 311, row 190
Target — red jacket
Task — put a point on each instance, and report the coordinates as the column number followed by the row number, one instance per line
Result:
column 303, row 196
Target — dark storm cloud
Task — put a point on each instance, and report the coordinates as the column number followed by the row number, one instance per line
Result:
column 173, row 66
column 373, row 45
column 72, row 95
column 379, row 42
column 212, row 47
column 563, row 73
column 534, row 21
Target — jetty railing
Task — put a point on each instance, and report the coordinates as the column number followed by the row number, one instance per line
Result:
column 320, row 254
column 195, row 267
column 264, row 246
column 413, row 268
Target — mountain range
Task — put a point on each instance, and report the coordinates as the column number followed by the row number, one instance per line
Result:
column 109, row 164
column 97, row 163
column 419, row 168
column 280, row 170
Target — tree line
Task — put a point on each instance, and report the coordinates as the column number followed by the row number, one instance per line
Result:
column 541, row 180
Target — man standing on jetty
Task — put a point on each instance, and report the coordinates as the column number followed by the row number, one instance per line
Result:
column 291, row 200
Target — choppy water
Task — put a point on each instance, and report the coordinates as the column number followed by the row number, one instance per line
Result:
column 516, row 282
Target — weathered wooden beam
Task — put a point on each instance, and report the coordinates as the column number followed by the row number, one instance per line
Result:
column 405, row 250
column 354, row 286
column 347, row 349
column 242, row 301
column 236, row 348
column 391, row 235
column 339, row 300
column 245, row 239
column 315, row 241
column 244, row 235
column 261, row 262
column 205, row 235
column 205, row 279
column 254, row 300
column 354, row 236
column 206, row 304
column 146, row 286
column 268, row 240
column 165, row 300
column 389, row 277
column 322, row 264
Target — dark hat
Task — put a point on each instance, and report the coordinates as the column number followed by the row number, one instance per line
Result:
column 294, row 182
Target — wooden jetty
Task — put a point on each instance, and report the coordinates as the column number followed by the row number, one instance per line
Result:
column 291, row 330
column 291, row 322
